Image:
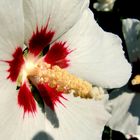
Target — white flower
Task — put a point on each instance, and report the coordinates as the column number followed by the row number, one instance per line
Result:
column 46, row 47
column 124, row 108
column 124, row 103
column 104, row 5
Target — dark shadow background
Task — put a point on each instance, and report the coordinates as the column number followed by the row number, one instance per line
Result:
column 111, row 22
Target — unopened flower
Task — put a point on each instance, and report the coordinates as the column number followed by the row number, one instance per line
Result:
column 50, row 49
column 104, row 5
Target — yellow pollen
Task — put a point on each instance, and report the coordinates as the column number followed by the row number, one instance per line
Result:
column 63, row 81
column 136, row 80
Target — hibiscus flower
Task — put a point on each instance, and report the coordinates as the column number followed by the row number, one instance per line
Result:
column 127, row 117
column 50, row 48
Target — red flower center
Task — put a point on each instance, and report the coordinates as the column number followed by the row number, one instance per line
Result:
column 56, row 55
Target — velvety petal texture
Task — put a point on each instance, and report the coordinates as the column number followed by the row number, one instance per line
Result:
column 97, row 56
column 123, row 105
column 131, row 31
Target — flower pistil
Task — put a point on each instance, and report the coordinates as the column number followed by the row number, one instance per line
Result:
column 62, row 80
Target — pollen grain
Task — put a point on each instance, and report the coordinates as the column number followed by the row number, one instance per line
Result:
column 64, row 82
column 136, row 80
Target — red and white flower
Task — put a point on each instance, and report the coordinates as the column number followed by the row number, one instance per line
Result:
column 39, row 40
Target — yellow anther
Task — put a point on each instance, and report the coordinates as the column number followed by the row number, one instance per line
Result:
column 136, row 80
column 63, row 81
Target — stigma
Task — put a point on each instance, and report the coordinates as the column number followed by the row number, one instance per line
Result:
column 62, row 81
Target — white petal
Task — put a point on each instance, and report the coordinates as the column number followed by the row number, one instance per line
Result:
column 131, row 31
column 62, row 15
column 11, row 27
column 12, row 125
column 98, row 56
column 80, row 119
column 124, row 108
